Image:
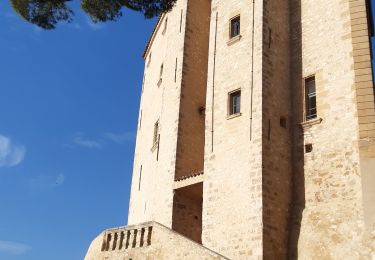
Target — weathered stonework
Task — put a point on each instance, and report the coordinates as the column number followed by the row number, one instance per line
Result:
column 264, row 183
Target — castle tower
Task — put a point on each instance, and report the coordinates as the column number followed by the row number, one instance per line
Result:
column 256, row 135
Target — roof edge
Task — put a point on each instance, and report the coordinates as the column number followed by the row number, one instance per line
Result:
column 153, row 34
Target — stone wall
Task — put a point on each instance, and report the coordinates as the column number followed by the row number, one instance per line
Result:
column 190, row 142
column 187, row 212
column 160, row 101
column 328, row 211
column 264, row 194
column 232, row 193
column 276, row 128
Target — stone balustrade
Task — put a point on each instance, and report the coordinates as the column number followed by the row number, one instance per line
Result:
column 125, row 238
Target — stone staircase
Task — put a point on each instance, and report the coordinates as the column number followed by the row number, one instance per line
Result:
column 149, row 240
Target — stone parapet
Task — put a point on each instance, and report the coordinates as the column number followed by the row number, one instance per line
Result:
column 149, row 240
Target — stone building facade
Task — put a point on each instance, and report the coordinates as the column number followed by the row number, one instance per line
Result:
column 256, row 135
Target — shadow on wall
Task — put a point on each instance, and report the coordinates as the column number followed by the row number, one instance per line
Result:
column 298, row 178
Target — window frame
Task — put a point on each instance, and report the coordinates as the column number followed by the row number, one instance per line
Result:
column 155, row 137
column 231, row 111
column 231, row 20
column 306, row 99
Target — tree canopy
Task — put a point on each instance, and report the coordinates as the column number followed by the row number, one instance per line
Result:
column 48, row 13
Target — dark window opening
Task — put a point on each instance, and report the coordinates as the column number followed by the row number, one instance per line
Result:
column 308, row 148
column 140, row 178
column 161, row 70
column 310, row 98
column 235, row 27
column 165, row 25
column 235, row 102
column 156, row 132
column 283, row 122
column 149, row 59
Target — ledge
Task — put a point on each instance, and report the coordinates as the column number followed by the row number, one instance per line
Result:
column 188, row 180
column 234, row 116
column 308, row 124
column 234, row 40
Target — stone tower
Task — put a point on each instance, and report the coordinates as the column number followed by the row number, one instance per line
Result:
column 256, row 135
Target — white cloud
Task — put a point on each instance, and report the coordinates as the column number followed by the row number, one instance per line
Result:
column 43, row 182
column 82, row 141
column 13, row 248
column 10, row 154
column 121, row 138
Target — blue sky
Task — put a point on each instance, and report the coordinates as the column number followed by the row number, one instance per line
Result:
column 68, row 113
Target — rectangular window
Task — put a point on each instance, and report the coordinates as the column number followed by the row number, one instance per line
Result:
column 235, row 27
column 161, row 75
column 156, row 133
column 310, row 98
column 235, row 102
column 161, row 70
column 165, row 25
column 140, row 178
column 149, row 59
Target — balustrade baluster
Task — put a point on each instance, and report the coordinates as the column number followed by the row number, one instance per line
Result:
column 115, row 239
column 109, row 239
column 149, row 235
column 120, row 240
column 135, row 235
column 128, row 237
column 142, row 237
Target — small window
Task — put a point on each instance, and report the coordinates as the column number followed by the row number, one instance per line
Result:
column 149, row 59
column 161, row 70
column 156, row 133
column 160, row 75
column 235, row 102
column 165, row 25
column 310, row 98
column 283, row 122
column 308, row 148
column 235, row 27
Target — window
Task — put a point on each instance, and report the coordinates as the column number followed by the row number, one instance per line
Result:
column 156, row 133
column 140, row 178
column 235, row 27
column 235, row 102
column 149, row 59
column 161, row 74
column 165, row 25
column 283, row 122
column 308, row 148
column 161, row 70
column 310, row 98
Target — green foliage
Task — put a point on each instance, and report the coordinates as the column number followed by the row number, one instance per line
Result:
column 45, row 14
column 48, row 13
